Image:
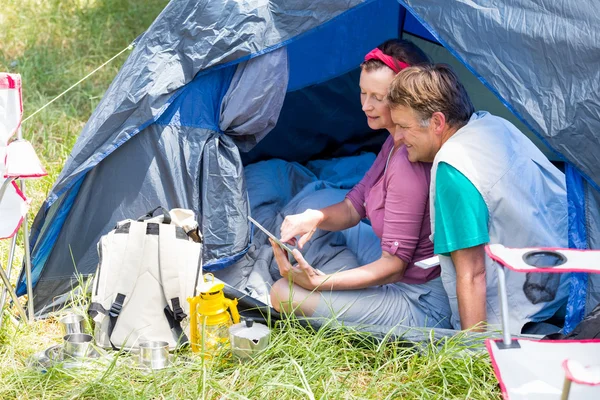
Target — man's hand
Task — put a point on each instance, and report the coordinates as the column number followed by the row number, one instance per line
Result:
column 471, row 286
column 302, row 273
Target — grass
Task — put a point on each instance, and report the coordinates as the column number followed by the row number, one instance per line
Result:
column 53, row 44
column 300, row 363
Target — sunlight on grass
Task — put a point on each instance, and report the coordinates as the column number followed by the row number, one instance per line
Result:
column 331, row 363
column 53, row 44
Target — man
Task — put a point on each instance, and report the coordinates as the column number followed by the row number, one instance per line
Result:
column 489, row 184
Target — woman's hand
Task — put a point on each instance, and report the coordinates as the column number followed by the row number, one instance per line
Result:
column 302, row 273
column 304, row 224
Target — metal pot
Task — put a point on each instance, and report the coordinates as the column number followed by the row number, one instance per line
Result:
column 248, row 338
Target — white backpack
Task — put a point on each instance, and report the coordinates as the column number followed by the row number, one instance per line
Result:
column 146, row 271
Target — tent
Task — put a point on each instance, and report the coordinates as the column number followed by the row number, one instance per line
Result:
column 215, row 87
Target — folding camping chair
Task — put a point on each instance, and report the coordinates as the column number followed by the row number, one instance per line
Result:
column 18, row 161
column 544, row 369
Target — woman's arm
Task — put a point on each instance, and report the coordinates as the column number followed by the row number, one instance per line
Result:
column 336, row 217
column 387, row 269
column 339, row 216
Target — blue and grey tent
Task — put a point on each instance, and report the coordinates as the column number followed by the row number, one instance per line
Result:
column 215, row 90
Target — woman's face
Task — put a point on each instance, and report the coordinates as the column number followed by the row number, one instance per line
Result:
column 373, row 89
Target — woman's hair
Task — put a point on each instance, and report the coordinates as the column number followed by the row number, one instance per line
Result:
column 431, row 88
column 399, row 49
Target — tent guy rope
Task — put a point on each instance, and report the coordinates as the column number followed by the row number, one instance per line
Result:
column 129, row 47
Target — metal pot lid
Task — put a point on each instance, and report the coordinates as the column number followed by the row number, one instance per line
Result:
column 248, row 329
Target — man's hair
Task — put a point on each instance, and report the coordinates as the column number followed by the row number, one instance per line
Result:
column 431, row 88
column 399, row 49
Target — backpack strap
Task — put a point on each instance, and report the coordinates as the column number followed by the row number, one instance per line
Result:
column 172, row 256
column 131, row 251
column 150, row 214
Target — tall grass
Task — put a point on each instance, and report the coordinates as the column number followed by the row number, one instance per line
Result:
column 299, row 363
column 53, row 44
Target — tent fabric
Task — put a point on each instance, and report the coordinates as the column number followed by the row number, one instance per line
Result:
column 539, row 57
column 577, row 240
column 247, row 114
column 163, row 131
column 186, row 38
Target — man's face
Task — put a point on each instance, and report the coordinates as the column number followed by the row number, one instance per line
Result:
column 422, row 143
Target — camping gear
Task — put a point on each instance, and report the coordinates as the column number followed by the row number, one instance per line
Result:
column 154, row 354
column 54, row 355
column 77, row 345
column 147, row 269
column 575, row 372
column 72, row 323
column 545, row 259
column 529, row 369
column 211, row 315
column 18, row 161
column 248, row 338
column 281, row 84
column 550, row 260
column 535, row 370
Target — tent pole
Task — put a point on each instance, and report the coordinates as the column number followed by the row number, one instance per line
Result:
column 11, row 255
column 506, row 339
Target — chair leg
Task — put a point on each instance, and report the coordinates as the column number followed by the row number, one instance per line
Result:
column 5, row 186
column 506, row 339
column 566, row 389
column 12, row 293
column 11, row 254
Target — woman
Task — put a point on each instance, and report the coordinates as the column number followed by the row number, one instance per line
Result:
column 394, row 196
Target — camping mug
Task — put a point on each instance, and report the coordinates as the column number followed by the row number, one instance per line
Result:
column 154, row 354
column 72, row 323
column 77, row 345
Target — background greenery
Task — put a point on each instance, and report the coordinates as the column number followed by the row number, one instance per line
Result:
column 53, row 44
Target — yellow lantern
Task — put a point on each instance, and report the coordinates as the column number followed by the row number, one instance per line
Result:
column 211, row 315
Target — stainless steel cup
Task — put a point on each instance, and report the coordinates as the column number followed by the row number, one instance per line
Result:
column 77, row 345
column 72, row 323
column 154, row 354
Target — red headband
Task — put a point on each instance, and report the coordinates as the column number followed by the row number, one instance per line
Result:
column 390, row 61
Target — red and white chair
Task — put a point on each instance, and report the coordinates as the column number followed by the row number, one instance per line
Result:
column 544, row 369
column 18, row 161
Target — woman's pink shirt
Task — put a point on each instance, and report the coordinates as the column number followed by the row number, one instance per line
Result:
column 396, row 201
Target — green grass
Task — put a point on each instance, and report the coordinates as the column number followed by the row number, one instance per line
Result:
column 300, row 363
column 53, row 44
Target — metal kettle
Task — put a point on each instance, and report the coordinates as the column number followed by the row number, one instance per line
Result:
column 248, row 338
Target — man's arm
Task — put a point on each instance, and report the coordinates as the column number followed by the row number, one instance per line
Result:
column 470, row 286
